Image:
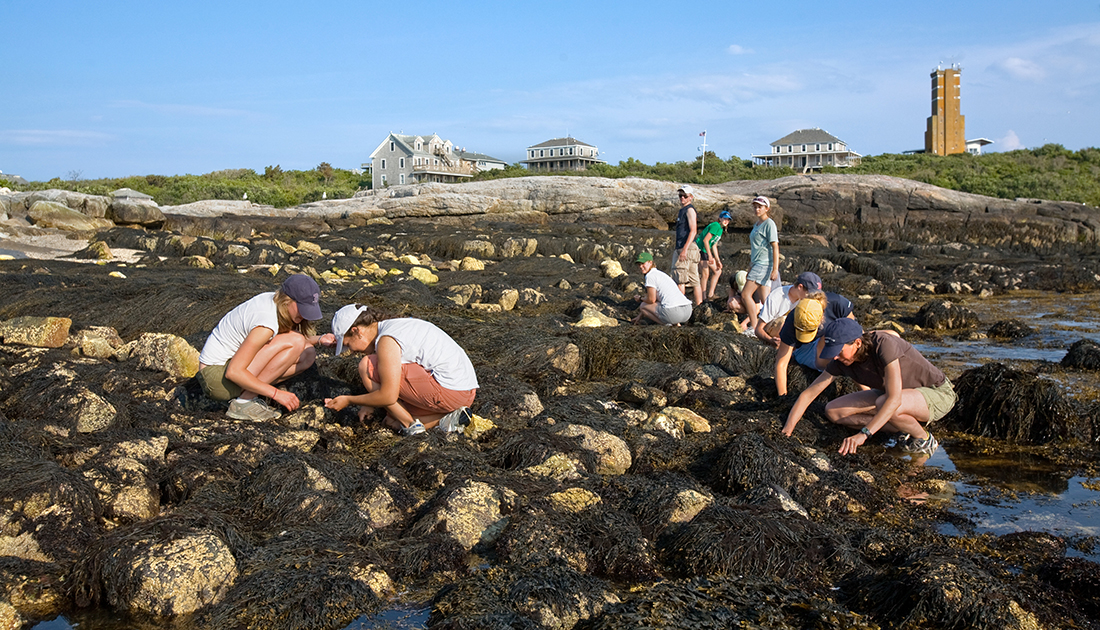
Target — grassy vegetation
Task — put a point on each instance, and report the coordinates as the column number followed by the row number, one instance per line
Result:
column 274, row 187
column 1048, row 172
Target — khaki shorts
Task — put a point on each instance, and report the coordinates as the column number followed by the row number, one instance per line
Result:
column 216, row 385
column 686, row 271
column 940, row 399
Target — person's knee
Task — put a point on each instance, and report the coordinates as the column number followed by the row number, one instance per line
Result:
column 833, row 412
column 307, row 357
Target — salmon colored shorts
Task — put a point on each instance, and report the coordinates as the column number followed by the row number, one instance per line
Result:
column 420, row 393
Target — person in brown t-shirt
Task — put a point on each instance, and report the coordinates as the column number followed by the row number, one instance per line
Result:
column 906, row 391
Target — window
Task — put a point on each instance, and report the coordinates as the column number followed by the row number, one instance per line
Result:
column 570, row 150
column 383, row 163
column 540, row 153
column 803, row 148
column 830, row 146
column 817, row 147
column 383, row 178
column 401, row 164
column 402, row 178
column 790, row 148
column 391, row 148
column 418, row 145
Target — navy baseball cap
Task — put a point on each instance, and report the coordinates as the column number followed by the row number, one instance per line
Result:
column 837, row 333
column 305, row 292
column 809, row 280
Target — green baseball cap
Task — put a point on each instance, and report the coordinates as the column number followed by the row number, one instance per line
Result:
column 644, row 257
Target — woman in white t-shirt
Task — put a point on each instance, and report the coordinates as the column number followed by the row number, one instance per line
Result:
column 412, row 369
column 263, row 341
column 663, row 302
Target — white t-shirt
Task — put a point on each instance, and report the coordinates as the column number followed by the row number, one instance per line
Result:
column 668, row 294
column 232, row 330
column 429, row 347
column 778, row 303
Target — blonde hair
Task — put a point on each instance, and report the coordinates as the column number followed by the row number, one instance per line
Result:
column 819, row 297
column 286, row 322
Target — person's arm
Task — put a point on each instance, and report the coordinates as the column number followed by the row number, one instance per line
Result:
column 692, row 231
column 892, row 383
column 389, row 374
column 710, row 250
column 650, row 295
column 819, row 346
column 782, row 360
column 775, row 260
column 804, row 399
column 327, row 339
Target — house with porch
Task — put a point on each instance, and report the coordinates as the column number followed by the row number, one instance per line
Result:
column 808, row 150
column 406, row 159
column 561, row 154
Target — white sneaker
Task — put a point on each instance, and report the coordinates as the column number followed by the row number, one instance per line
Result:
column 254, row 409
column 455, row 420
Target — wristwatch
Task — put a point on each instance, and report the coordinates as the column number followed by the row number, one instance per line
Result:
column 865, row 431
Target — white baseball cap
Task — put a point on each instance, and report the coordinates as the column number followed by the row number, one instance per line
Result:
column 686, row 189
column 342, row 321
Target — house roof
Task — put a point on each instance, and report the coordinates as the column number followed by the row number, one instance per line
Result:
column 806, row 136
column 473, row 157
column 557, row 142
column 408, row 143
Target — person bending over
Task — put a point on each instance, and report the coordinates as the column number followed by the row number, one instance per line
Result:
column 801, row 335
column 906, row 393
column 413, row 370
column 663, row 302
column 779, row 303
column 263, row 341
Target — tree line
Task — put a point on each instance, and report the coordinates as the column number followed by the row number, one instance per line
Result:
column 1048, row 172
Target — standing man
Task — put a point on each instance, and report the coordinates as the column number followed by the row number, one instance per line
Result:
column 685, row 258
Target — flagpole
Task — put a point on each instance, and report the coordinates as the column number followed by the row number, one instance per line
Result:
column 703, row 163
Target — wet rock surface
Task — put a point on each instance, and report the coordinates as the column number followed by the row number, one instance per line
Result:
column 612, row 477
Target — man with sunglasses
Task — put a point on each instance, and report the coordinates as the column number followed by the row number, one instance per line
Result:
column 685, row 258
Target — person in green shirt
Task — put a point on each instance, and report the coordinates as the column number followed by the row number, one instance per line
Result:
column 710, row 264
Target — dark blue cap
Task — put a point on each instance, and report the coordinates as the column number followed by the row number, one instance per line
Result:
column 837, row 333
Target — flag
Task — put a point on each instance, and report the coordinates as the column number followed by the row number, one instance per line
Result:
column 703, row 134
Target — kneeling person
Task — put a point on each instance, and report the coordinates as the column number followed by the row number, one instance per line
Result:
column 906, row 391
column 663, row 302
column 801, row 335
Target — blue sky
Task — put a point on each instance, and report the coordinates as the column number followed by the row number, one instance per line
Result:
column 133, row 88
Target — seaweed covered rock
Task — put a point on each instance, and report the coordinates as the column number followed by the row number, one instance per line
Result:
column 945, row 315
column 1000, row 402
column 163, row 352
column 745, row 540
column 937, row 589
column 470, row 513
column 1010, row 329
column 718, row 602
column 1084, row 354
column 1079, row 578
column 553, row 596
column 169, row 577
column 611, row 452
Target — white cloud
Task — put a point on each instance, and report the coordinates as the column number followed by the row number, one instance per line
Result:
column 736, row 49
column 1010, row 142
column 52, row 137
column 1021, row 69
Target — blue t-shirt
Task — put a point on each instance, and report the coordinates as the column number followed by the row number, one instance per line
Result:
column 761, row 237
column 837, row 308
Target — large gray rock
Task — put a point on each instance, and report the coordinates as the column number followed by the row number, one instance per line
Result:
column 162, row 352
column 131, row 212
column 169, row 578
column 49, row 214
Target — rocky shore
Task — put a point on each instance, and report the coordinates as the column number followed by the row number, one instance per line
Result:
column 613, row 476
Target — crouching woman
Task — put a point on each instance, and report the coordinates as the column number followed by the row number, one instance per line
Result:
column 906, row 391
column 413, row 370
column 261, row 342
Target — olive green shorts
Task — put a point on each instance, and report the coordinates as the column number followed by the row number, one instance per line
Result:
column 939, row 399
column 216, row 384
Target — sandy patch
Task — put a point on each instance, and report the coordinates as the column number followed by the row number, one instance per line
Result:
column 51, row 244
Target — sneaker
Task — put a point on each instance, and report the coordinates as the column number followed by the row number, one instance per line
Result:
column 897, row 439
column 926, row 446
column 254, row 409
column 413, row 429
column 455, row 420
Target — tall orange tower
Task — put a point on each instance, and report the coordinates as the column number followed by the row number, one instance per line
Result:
column 946, row 132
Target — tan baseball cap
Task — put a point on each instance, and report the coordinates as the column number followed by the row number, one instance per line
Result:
column 807, row 320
